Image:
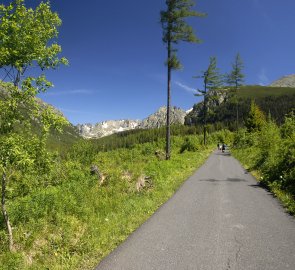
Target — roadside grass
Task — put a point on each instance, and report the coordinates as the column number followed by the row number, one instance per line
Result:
column 249, row 156
column 73, row 222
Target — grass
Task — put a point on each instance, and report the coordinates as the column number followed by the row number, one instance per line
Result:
column 257, row 91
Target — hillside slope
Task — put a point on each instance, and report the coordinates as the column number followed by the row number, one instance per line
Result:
column 56, row 141
column 276, row 101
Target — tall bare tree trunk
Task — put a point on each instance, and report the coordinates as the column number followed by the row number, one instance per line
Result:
column 168, row 103
column 237, row 115
column 205, row 114
column 4, row 212
column 237, row 106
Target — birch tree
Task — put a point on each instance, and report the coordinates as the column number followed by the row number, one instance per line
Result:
column 26, row 41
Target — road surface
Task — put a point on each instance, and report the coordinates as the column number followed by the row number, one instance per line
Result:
column 220, row 219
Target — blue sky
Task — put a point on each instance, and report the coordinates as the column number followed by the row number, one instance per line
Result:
column 117, row 55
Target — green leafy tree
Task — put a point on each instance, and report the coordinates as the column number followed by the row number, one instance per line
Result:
column 256, row 118
column 236, row 79
column 176, row 29
column 25, row 35
column 288, row 128
column 212, row 82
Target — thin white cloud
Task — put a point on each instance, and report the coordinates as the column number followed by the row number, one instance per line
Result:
column 263, row 78
column 70, row 92
column 185, row 87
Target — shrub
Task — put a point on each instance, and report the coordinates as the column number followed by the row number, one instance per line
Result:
column 188, row 145
column 271, row 151
column 256, row 118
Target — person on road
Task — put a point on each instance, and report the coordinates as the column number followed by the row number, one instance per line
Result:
column 223, row 148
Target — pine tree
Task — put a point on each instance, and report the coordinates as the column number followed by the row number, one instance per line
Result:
column 256, row 118
column 212, row 81
column 175, row 29
column 236, row 78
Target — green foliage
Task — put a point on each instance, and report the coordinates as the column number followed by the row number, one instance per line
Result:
column 257, row 91
column 271, row 152
column 211, row 77
column 25, row 41
column 129, row 139
column 69, row 220
column 188, row 145
column 176, row 29
column 173, row 62
column 256, row 118
column 212, row 82
column 274, row 100
column 15, row 151
column 25, row 35
column 288, row 128
column 11, row 261
column 221, row 136
column 236, row 77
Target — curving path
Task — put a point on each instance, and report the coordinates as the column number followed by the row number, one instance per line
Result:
column 218, row 220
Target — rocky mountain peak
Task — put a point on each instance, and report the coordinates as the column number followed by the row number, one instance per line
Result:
column 106, row 128
column 156, row 120
column 285, row 81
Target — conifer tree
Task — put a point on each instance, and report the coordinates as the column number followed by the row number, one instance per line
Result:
column 212, row 81
column 175, row 29
column 256, row 118
column 236, row 78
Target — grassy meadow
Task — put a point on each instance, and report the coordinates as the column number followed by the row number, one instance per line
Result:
column 258, row 91
column 67, row 219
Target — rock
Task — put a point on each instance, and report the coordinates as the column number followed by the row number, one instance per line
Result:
column 102, row 179
column 106, row 128
column 286, row 81
column 160, row 155
column 95, row 171
column 141, row 182
column 156, row 120
column 127, row 176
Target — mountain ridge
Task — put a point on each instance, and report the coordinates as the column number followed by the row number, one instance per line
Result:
column 285, row 81
column 109, row 127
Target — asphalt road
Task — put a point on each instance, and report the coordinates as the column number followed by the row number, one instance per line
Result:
column 219, row 219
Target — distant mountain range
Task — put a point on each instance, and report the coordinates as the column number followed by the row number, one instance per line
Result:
column 178, row 116
column 156, row 120
column 286, row 81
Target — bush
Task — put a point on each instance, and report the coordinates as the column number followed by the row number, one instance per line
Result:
column 271, row 151
column 11, row 261
column 188, row 145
